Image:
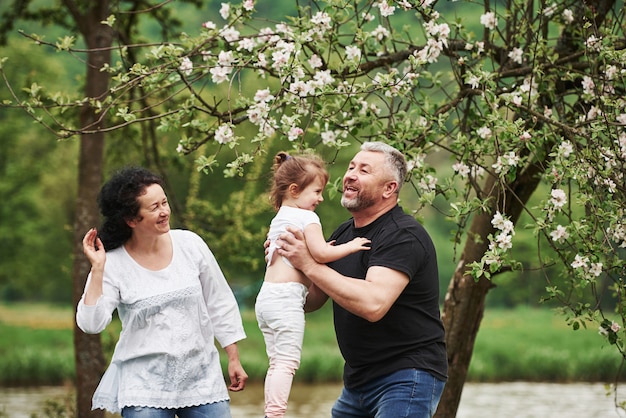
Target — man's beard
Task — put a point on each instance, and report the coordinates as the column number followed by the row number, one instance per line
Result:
column 357, row 203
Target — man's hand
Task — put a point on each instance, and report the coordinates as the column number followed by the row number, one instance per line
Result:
column 293, row 246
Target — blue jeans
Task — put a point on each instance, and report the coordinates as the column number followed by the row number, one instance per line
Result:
column 209, row 410
column 408, row 393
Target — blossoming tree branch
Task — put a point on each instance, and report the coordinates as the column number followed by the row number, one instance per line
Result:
column 505, row 110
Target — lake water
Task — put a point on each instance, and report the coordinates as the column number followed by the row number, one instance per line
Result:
column 479, row 400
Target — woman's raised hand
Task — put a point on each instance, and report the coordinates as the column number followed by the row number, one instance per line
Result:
column 94, row 249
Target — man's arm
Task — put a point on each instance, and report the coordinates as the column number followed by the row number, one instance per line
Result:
column 370, row 299
column 315, row 299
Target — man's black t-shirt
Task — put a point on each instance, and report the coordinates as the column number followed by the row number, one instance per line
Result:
column 411, row 334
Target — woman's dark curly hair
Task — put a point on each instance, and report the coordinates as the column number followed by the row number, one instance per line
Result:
column 118, row 203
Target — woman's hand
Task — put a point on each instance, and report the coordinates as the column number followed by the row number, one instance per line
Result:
column 94, row 249
column 238, row 376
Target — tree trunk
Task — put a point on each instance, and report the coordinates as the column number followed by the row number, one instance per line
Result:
column 87, row 348
column 89, row 358
column 464, row 304
column 463, row 310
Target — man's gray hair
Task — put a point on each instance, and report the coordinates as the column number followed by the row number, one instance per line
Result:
column 393, row 158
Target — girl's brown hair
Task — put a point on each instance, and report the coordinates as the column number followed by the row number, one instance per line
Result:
column 300, row 170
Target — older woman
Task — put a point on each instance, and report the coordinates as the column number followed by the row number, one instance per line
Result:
column 173, row 301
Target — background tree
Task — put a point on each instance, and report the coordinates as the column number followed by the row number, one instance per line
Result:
column 85, row 18
column 511, row 115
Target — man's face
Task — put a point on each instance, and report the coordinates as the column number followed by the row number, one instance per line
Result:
column 364, row 181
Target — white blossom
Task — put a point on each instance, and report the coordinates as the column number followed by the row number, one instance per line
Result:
column 558, row 198
column 225, row 58
column 248, row 5
column 220, row 74
column 610, row 72
column 516, row 54
column 225, row 10
column 257, row 112
column 484, row 132
column 186, row 66
column 368, row 17
column 263, row 95
column 380, row 33
column 580, row 262
column 593, row 44
column 560, row 234
column 353, row 53
column 615, row 326
column 321, row 20
column 549, row 11
column 329, row 137
column 427, row 183
column 500, row 222
column 385, row 8
column 504, row 241
column 565, row 149
column 230, row 34
column 588, row 85
column 224, row 134
column 594, row 112
column 489, row 20
column 294, row 133
column 568, row 16
column 595, row 269
column 246, row 44
column 511, row 158
column 498, row 166
column 315, row 61
column 547, row 112
column 461, row 168
column 473, row 80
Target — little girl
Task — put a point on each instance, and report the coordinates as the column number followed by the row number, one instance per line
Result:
column 295, row 193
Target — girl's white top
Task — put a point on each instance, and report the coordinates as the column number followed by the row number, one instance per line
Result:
column 166, row 355
column 288, row 216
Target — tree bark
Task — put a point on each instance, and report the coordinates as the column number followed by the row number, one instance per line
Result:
column 89, row 358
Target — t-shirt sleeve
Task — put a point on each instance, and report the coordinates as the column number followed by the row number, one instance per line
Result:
column 400, row 251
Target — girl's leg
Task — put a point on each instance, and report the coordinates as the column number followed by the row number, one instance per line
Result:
column 278, row 386
column 281, row 319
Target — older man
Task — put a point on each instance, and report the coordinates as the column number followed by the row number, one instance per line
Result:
column 386, row 300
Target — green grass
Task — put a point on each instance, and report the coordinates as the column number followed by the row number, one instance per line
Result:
column 36, row 348
column 35, row 345
column 537, row 345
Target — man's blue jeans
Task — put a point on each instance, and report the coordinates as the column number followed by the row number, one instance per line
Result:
column 408, row 393
column 211, row 410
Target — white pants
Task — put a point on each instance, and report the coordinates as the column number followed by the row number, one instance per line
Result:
column 280, row 314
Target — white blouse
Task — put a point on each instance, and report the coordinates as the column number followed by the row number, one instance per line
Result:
column 166, row 355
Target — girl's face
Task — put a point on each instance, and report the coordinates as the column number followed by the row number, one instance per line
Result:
column 308, row 198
